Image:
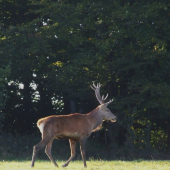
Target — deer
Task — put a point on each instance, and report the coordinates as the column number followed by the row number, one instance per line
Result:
column 75, row 127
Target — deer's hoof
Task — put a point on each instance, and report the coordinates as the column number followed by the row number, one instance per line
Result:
column 64, row 165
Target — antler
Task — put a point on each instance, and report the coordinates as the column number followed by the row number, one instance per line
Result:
column 97, row 92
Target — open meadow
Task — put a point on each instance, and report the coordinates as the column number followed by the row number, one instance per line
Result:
column 92, row 165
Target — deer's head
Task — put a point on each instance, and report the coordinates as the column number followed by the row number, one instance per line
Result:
column 106, row 113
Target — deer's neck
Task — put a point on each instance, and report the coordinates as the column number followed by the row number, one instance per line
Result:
column 95, row 118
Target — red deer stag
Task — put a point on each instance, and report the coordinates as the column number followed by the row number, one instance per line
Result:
column 75, row 127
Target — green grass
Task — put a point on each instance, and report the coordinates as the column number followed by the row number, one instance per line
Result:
column 91, row 165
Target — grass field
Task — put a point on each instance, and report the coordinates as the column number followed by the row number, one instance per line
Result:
column 92, row 165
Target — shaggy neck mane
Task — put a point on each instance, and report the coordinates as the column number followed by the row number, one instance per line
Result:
column 95, row 118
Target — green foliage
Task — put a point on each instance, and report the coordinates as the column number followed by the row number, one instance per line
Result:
column 62, row 46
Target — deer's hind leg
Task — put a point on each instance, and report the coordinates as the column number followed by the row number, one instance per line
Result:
column 73, row 152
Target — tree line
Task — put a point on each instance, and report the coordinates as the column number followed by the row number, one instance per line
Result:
column 52, row 51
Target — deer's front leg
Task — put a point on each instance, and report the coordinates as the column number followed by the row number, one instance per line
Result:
column 83, row 150
column 73, row 152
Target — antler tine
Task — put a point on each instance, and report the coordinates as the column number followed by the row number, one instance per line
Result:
column 92, row 87
column 110, row 101
column 99, row 85
column 96, row 88
column 104, row 98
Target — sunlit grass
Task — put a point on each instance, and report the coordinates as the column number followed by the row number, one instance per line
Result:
column 92, row 165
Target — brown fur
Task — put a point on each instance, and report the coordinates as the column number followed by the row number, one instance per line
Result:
column 73, row 126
